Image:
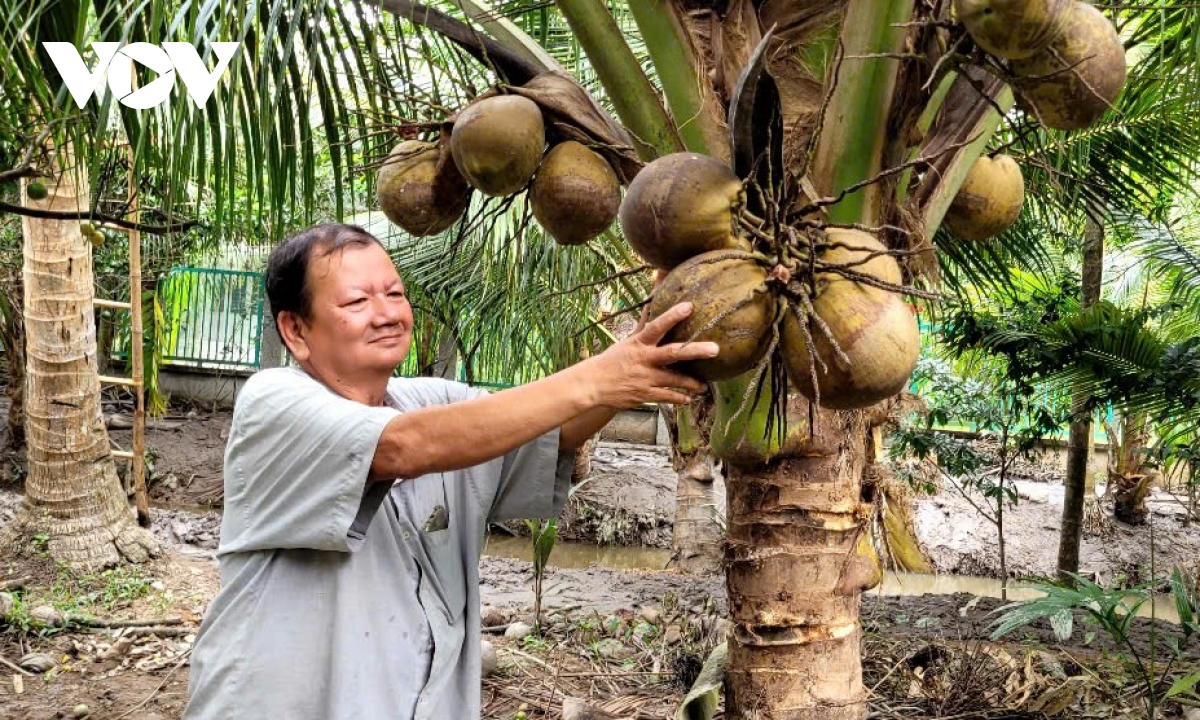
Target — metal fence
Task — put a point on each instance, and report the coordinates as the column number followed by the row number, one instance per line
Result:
column 214, row 317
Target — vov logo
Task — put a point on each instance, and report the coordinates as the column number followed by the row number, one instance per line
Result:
column 117, row 61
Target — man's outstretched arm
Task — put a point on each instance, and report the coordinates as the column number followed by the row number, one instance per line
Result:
column 461, row 435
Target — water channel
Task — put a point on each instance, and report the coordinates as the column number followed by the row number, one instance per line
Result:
column 574, row 555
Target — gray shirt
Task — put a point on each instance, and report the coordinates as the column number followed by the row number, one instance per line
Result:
column 343, row 599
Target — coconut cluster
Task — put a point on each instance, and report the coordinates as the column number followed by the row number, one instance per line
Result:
column 854, row 343
column 497, row 145
column 1067, row 65
column 1066, row 59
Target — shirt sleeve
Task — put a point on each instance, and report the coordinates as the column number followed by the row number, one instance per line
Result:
column 297, row 464
column 531, row 482
column 534, row 480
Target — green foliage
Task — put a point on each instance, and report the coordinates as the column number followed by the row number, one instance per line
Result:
column 1113, row 354
column 988, row 402
column 543, row 534
column 1113, row 610
column 76, row 593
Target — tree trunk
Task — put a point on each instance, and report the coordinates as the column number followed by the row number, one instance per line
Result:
column 270, row 348
column 1079, row 440
column 798, row 561
column 698, row 539
column 445, row 365
column 1127, row 483
column 72, row 491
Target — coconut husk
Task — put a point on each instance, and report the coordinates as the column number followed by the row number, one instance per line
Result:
column 570, row 113
column 731, row 307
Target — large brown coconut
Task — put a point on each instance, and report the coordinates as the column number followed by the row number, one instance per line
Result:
column 989, row 200
column 873, row 327
column 860, row 252
column 679, row 206
column 1077, row 77
column 1012, row 29
column 497, row 143
column 715, row 282
column 575, row 195
column 420, row 189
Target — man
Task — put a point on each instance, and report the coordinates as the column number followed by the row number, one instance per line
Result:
column 356, row 503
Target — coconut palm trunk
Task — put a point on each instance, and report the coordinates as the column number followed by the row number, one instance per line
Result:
column 1129, row 483
column 798, row 556
column 698, row 540
column 73, row 494
column 798, row 562
column 1078, row 490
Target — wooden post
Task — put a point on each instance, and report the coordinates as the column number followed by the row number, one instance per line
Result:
column 136, row 351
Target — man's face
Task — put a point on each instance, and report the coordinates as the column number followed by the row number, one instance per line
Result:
column 360, row 320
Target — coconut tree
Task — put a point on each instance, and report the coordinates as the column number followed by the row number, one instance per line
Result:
column 841, row 120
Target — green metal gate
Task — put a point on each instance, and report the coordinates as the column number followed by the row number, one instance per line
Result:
column 213, row 317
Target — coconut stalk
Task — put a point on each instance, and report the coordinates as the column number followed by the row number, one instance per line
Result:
column 972, row 125
column 853, row 143
column 507, row 33
column 72, row 491
column 698, row 113
column 633, row 96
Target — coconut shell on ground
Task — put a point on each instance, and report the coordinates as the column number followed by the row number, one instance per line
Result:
column 715, row 283
column 575, row 195
column 873, row 327
column 1012, row 29
column 679, row 206
column 497, row 143
column 419, row 188
column 989, row 200
column 1077, row 78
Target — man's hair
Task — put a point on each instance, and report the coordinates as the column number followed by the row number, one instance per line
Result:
column 287, row 268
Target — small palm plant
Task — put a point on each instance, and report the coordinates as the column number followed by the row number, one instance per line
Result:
column 1113, row 610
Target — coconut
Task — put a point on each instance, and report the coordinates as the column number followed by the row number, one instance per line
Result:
column 679, row 206
column 1078, row 76
column 854, row 248
column 989, row 200
column 1012, row 29
column 497, row 143
column 575, row 195
column 36, row 190
column 873, row 327
column 715, row 283
column 420, row 190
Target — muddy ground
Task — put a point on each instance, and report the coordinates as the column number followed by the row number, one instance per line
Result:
column 620, row 638
column 122, row 674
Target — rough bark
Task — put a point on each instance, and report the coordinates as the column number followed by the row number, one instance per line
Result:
column 1079, row 439
column 72, row 491
column 1127, row 482
column 13, row 338
column 798, row 560
column 697, row 538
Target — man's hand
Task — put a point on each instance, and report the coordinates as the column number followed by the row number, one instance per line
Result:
column 633, row 371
